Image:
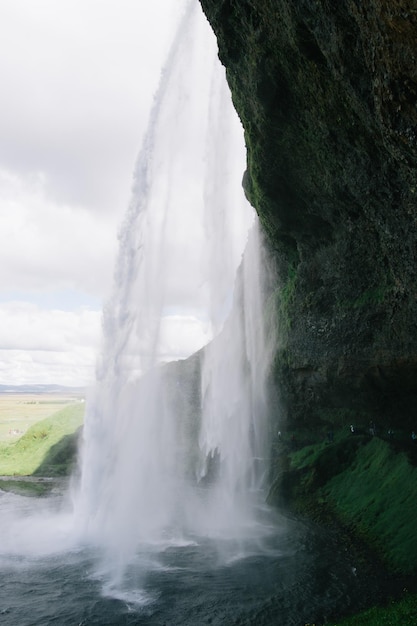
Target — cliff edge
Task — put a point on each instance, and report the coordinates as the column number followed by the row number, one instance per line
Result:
column 327, row 94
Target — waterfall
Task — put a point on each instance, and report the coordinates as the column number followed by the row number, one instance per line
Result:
column 174, row 448
column 234, row 408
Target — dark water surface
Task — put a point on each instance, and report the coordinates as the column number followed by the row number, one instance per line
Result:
column 294, row 575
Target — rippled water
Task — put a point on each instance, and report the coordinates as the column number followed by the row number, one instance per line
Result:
column 290, row 574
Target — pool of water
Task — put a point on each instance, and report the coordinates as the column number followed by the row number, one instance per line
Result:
column 288, row 574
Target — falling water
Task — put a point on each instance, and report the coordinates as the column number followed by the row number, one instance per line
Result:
column 175, row 451
column 233, row 429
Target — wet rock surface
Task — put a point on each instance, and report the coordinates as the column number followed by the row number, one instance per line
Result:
column 327, row 96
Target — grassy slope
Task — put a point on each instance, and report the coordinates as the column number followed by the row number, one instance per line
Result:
column 367, row 484
column 378, row 494
column 402, row 613
column 48, row 444
column 370, row 485
column 20, row 411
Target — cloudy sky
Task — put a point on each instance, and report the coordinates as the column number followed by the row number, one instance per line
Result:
column 77, row 77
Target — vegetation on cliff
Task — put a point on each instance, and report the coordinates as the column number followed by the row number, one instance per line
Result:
column 396, row 613
column 364, row 485
column 367, row 483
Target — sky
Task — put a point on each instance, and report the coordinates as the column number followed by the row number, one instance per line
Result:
column 78, row 78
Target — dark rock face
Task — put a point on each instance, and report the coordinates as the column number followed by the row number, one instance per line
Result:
column 327, row 95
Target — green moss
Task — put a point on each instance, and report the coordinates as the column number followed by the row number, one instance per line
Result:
column 285, row 297
column 25, row 488
column 377, row 494
column 372, row 297
column 306, row 456
column 401, row 613
column 325, row 460
column 368, row 485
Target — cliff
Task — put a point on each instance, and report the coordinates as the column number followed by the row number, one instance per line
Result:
column 327, row 93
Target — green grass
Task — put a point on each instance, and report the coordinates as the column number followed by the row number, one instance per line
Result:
column 18, row 412
column 286, row 296
column 48, row 445
column 312, row 453
column 401, row 613
column 378, row 495
column 306, row 456
column 25, row 488
column 370, row 487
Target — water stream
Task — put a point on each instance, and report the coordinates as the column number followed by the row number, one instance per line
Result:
column 150, row 473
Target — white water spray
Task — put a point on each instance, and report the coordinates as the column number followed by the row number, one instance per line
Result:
column 168, row 455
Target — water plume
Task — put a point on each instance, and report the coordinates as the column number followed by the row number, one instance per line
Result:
column 175, row 451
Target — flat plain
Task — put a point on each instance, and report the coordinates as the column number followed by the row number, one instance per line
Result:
column 19, row 411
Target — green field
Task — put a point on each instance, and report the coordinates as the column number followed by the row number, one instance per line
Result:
column 19, row 411
column 39, row 433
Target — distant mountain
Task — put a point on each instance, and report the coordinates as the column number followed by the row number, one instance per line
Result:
column 40, row 389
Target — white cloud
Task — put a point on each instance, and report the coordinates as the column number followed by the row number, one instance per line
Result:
column 47, row 246
column 77, row 83
column 44, row 346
